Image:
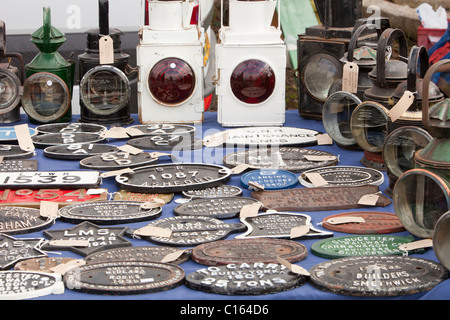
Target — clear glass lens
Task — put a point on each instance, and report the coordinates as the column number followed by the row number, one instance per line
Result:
column 8, row 90
column 319, row 74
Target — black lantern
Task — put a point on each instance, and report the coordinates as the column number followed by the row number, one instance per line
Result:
column 10, row 85
column 105, row 88
column 319, row 50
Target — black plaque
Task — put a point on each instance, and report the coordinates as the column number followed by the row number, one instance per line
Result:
column 52, row 139
column 149, row 254
column 18, row 249
column 20, row 220
column 167, row 142
column 284, row 158
column 17, row 285
column 78, row 151
column 188, row 231
column 118, row 160
column 124, row 278
column 245, row 279
column 108, row 212
column 220, row 208
column 214, row 192
column 70, row 128
column 164, row 129
column 10, row 152
column 18, row 165
column 377, row 276
column 279, row 225
column 177, row 177
column 248, row 251
column 341, row 176
column 99, row 237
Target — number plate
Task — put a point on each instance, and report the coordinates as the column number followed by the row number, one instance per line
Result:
column 344, row 176
column 70, row 128
column 166, row 143
column 8, row 134
column 214, row 192
column 29, row 248
column 50, row 179
column 168, row 178
column 18, row 165
column 164, row 129
column 19, row 220
column 14, row 152
column 78, row 151
column 32, row 285
column 270, row 179
column 52, row 139
column 33, row 198
column 117, row 160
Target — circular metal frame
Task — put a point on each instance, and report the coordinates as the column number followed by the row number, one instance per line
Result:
column 15, row 100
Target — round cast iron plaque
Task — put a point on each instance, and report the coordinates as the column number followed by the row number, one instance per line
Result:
column 263, row 136
column 283, row 158
column 78, row 151
column 377, row 276
column 248, row 251
column 279, row 225
column 245, row 279
column 361, row 245
column 344, row 176
column 43, row 264
column 14, row 152
column 18, row 165
column 124, row 277
column 52, row 139
column 118, row 160
column 28, row 249
column 70, row 128
column 166, row 143
column 190, row 231
column 108, row 212
column 375, row 222
column 8, row 134
column 164, row 129
column 214, row 192
column 177, row 177
column 220, row 208
column 26, row 285
column 270, row 179
column 148, row 254
column 19, row 220
column 99, row 237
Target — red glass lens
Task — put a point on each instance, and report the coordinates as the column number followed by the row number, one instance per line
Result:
column 171, row 81
column 252, row 81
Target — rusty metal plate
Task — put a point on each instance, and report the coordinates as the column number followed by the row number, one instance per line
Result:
column 70, row 128
column 124, row 278
column 43, row 264
column 342, row 176
column 377, row 276
column 270, row 179
column 279, row 225
column 50, row 179
column 318, row 199
column 148, row 254
column 8, row 134
column 245, row 279
column 375, row 222
column 17, row 285
column 163, row 129
column 248, row 251
column 33, row 198
column 99, row 237
column 78, row 151
column 146, row 197
column 51, row 139
column 167, row 142
column 214, row 192
column 188, row 231
column 118, row 160
column 18, row 165
column 219, row 208
column 18, row 249
column 262, row 136
column 176, row 177
column 14, row 152
column 20, row 220
column 361, row 245
column 283, row 158
column 108, row 212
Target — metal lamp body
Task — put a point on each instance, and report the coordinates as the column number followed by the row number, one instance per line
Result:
column 167, row 37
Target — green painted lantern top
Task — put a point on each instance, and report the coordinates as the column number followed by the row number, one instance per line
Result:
column 47, row 38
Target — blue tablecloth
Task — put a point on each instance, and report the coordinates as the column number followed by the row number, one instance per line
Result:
column 210, row 125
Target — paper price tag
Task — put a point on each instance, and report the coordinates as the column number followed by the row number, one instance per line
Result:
column 293, row 267
column 106, row 50
column 216, row 140
column 23, row 137
column 369, row 199
column 49, row 209
column 402, row 106
column 299, row 231
column 172, row 256
column 316, row 179
column 240, row 168
column 64, row 267
column 255, row 186
column 155, row 203
column 149, row 231
column 134, row 132
column 250, row 210
column 344, row 220
column 116, row 173
column 130, row 149
column 324, row 139
column 69, row 243
column 350, row 77
column 319, row 158
column 115, row 133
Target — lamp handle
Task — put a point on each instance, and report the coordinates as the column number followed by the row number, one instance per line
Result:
column 418, row 56
column 355, row 36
